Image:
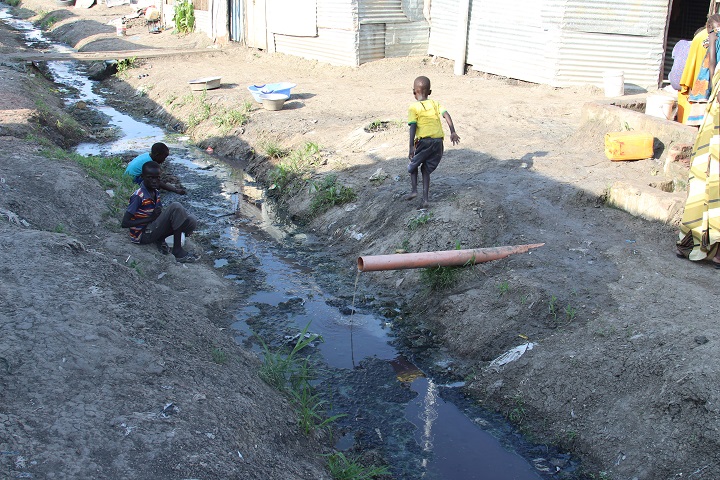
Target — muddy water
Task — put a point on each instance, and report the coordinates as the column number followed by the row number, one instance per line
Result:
column 423, row 428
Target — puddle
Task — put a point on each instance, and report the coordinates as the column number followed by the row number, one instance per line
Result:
column 391, row 405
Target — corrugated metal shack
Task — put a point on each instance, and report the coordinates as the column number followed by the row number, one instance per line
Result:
column 565, row 42
column 554, row 42
column 339, row 32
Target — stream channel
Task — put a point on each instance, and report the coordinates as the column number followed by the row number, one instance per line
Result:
column 422, row 427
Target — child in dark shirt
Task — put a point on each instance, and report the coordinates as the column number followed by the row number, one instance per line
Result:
column 149, row 222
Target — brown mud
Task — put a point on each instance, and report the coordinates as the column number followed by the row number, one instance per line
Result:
column 624, row 369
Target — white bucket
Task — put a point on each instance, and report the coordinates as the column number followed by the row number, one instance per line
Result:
column 120, row 29
column 614, row 83
column 661, row 106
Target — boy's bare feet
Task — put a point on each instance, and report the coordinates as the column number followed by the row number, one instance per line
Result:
column 411, row 195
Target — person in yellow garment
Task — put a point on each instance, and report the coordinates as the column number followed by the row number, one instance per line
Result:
column 700, row 224
column 695, row 81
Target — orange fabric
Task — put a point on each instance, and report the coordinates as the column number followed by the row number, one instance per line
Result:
column 693, row 64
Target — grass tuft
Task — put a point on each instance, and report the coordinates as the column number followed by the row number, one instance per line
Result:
column 417, row 222
column 328, row 193
column 440, row 278
column 344, row 468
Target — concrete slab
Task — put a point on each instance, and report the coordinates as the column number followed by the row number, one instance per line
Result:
column 647, row 202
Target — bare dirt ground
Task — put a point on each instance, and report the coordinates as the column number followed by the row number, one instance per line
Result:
column 624, row 369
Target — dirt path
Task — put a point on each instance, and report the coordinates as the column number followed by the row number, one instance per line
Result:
column 624, row 367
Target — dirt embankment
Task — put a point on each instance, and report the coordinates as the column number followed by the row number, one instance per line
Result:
column 623, row 368
column 115, row 361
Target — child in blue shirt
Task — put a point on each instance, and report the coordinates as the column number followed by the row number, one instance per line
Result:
column 158, row 153
column 149, row 222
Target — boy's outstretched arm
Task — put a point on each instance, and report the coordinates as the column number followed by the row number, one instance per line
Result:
column 453, row 136
column 411, row 150
column 172, row 188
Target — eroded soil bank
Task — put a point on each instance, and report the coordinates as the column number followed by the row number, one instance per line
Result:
column 624, row 367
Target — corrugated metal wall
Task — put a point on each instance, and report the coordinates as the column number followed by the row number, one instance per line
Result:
column 557, row 42
column 372, row 42
column 622, row 35
column 386, row 31
column 203, row 22
column 505, row 42
column 381, row 11
column 353, row 32
column 406, row 39
column 337, row 39
column 443, row 28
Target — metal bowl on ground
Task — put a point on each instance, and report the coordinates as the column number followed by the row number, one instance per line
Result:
column 273, row 101
column 205, row 83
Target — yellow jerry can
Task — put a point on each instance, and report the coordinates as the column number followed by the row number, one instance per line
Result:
column 628, row 145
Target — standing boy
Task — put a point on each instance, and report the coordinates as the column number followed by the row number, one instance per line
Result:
column 150, row 223
column 426, row 137
column 158, row 153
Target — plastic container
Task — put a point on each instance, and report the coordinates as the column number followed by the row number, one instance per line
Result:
column 205, row 83
column 628, row 145
column 273, row 101
column 661, row 106
column 614, row 83
column 282, row 88
column 120, row 29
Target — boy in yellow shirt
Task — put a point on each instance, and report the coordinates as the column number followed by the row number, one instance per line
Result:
column 426, row 137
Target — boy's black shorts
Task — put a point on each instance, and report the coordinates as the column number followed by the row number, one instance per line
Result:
column 428, row 151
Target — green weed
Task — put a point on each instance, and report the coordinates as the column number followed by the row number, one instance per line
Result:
column 504, row 287
column 48, row 21
column 186, row 99
column 227, row 119
column 439, row 278
column 184, row 17
column 311, row 410
column 219, row 356
column 135, row 265
column 377, row 126
column 124, row 65
column 13, row 3
column 285, row 371
column 570, row 312
column 294, row 165
column 273, row 149
column 552, row 307
column 170, row 99
column 328, row 193
column 59, row 228
column 422, row 219
column 344, row 468
column 517, row 414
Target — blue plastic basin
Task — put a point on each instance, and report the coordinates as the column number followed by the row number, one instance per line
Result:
column 280, row 87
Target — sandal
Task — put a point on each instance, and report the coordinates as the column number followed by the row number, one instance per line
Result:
column 189, row 257
column 162, row 247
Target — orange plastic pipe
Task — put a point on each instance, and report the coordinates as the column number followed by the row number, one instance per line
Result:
column 447, row 258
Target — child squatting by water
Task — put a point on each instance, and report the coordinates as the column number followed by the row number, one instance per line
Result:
column 426, row 137
column 149, row 222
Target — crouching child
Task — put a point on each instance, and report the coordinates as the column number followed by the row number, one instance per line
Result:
column 149, row 222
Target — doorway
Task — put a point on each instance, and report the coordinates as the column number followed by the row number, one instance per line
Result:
column 684, row 19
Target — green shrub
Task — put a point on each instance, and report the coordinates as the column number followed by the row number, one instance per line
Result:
column 184, row 17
